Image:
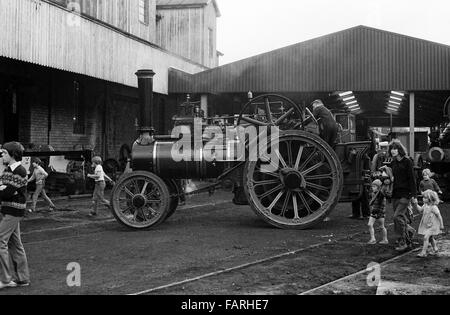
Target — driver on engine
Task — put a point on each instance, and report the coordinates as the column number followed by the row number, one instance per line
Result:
column 327, row 124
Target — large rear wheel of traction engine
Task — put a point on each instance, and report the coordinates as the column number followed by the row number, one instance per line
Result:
column 140, row 200
column 300, row 189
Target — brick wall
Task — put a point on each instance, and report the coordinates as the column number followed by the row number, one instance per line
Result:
column 111, row 111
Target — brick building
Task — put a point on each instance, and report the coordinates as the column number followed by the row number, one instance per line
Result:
column 67, row 67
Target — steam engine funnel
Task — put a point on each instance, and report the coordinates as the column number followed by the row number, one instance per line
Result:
column 145, row 86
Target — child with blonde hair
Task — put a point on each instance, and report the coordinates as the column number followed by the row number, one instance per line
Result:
column 432, row 223
column 99, row 191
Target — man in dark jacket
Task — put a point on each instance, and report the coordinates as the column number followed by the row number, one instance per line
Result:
column 13, row 190
column 327, row 124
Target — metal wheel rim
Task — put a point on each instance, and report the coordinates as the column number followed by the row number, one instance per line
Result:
column 144, row 189
column 271, row 119
column 284, row 207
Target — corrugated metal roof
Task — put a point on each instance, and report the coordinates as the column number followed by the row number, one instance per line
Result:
column 169, row 3
column 42, row 33
column 356, row 59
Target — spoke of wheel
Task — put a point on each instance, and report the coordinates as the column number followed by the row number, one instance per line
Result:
column 144, row 188
column 254, row 121
column 313, row 168
column 286, row 115
column 317, row 199
column 151, row 194
column 136, row 186
column 267, row 173
column 283, row 162
column 128, row 192
column 319, row 177
column 286, row 203
column 265, row 182
column 318, row 187
column 299, row 158
column 127, row 209
column 294, row 201
column 275, row 166
column 135, row 215
column 153, row 201
column 289, row 153
column 268, row 193
column 275, row 201
column 143, row 215
column 268, row 111
column 309, row 159
column 305, row 202
column 152, row 211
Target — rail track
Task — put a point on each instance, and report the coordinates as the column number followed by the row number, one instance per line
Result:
column 176, row 286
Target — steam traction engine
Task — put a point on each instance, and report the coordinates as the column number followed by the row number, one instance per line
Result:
column 438, row 158
column 296, row 190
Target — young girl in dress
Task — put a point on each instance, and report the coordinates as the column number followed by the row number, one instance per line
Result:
column 432, row 223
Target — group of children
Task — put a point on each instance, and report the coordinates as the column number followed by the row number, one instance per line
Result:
column 40, row 175
column 432, row 223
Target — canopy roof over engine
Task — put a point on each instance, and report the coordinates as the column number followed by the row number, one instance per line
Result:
column 370, row 63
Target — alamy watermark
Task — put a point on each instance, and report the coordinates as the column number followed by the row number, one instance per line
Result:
column 374, row 277
column 74, row 277
column 237, row 144
column 74, row 18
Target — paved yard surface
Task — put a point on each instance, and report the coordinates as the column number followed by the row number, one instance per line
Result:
column 209, row 247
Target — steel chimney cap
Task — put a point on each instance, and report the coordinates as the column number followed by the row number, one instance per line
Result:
column 145, row 73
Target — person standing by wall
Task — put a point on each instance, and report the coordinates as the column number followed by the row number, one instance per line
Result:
column 404, row 189
column 13, row 196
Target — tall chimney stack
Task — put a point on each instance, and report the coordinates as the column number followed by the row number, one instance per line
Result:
column 145, row 86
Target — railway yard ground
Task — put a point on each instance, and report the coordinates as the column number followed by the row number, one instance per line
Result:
column 212, row 247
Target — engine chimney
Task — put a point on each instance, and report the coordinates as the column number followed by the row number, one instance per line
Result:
column 145, row 86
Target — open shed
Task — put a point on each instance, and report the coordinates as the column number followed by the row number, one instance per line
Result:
column 386, row 78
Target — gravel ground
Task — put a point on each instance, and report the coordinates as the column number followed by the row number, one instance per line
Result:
column 208, row 235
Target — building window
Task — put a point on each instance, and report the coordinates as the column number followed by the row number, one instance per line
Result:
column 79, row 114
column 211, row 42
column 144, row 11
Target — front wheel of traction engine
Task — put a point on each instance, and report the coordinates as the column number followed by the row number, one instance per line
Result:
column 141, row 200
column 299, row 189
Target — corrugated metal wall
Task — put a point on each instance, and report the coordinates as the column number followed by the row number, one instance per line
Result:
column 184, row 31
column 41, row 33
column 181, row 31
column 357, row 59
column 123, row 14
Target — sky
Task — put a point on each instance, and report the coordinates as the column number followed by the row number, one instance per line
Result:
column 250, row 27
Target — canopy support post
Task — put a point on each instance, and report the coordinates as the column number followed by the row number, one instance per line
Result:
column 412, row 125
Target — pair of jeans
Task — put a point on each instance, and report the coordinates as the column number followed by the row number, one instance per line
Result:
column 40, row 190
column 401, row 221
column 99, row 195
column 11, row 249
column 360, row 207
